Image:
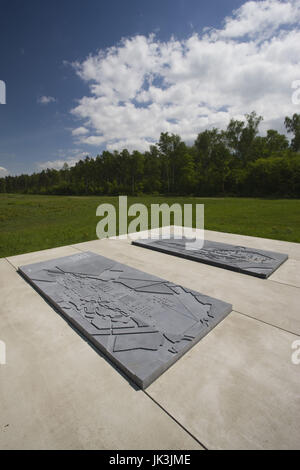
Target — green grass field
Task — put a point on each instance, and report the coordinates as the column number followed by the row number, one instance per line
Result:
column 31, row 223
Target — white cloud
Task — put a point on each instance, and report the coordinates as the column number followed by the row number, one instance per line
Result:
column 3, row 172
column 142, row 86
column 262, row 18
column 46, row 99
column 71, row 157
column 80, row 131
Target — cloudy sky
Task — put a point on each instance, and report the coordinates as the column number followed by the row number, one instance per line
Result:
column 83, row 76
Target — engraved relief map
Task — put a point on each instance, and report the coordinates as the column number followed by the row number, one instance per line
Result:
column 255, row 262
column 141, row 322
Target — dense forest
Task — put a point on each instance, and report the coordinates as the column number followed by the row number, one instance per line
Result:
column 236, row 161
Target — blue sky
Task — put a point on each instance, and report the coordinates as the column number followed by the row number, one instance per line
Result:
column 69, row 95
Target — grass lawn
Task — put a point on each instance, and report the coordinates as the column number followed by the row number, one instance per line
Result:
column 31, row 223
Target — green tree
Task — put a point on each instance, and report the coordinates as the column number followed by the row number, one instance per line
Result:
column 241, row 137
column 152, row 171
column 293, row 126
column 276, row 142
column 2, row 185
column 187, row 177
column 205, row 144
column 168, row 145
column 213, row 160
column 136, row 171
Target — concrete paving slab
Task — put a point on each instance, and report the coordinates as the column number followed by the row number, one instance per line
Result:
column 56, row 392
column 43, row 255
column 4, row 281
column 242, row 391
column 289, row 273
column 268, row 301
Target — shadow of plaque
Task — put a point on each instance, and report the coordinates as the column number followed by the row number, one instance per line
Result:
column 142, row 323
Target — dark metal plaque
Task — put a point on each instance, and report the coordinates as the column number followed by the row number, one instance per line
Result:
column 142, row 323
column 259, row 263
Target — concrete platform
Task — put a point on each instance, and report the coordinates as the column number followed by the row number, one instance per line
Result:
column 56, row 391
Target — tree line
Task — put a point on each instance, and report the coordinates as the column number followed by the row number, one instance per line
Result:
column 236, row 161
